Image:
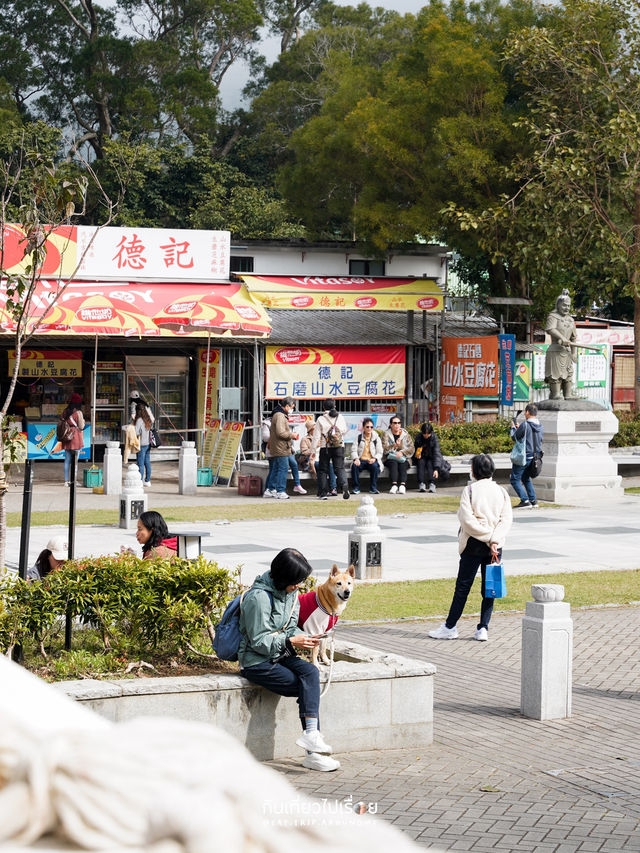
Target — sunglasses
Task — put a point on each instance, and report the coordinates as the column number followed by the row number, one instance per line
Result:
column 395, row 422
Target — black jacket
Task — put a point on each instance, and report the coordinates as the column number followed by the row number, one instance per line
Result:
column 430, row 449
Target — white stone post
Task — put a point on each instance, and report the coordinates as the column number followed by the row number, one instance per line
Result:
column 547, row 655
column 188, row 469
column 112, row 469
column 366, row 541
column 133, row 501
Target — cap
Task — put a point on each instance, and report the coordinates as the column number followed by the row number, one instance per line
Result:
column 75, row 398
column 134, row 395
column 58, row 547
column 310, row 426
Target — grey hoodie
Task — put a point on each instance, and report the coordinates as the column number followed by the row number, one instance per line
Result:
column 262, row 618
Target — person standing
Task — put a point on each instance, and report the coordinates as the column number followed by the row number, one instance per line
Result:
column 485, row 517
column 398, row 448
column 427, row 458
column 280, row 448
column 328, row 439
column 72, row 425
column 532, row 431
column 143, row 423
column 366, row 455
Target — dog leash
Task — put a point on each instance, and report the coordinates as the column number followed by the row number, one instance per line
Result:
column 331, row 652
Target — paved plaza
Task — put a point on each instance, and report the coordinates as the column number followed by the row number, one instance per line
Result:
column 494, row 780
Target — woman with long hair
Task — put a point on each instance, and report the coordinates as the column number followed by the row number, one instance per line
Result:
column 49, row 559
column 153, row 535
column 72, row 424
column 143, row 423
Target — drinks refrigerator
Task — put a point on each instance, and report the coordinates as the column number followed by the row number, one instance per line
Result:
column 167, row 396
column 110, row 406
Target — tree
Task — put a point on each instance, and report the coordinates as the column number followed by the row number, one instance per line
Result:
column 38, row 195
column 576, row 212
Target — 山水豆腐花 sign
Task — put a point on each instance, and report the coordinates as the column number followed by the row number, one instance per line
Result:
column 51, row 364
column 470, row 366
column 310, row 373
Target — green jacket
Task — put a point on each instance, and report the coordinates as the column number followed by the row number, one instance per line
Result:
column 262, row 618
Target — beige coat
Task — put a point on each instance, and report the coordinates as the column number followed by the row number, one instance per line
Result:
column 131, row 443
column 280, row 435
column 485, row 513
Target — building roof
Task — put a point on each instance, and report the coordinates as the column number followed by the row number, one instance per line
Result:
column 318, row 328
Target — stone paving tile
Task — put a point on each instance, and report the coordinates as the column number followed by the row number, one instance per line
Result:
column 568, row 786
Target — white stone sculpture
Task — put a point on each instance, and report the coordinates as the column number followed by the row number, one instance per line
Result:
column 547, row 592
column 69, row 777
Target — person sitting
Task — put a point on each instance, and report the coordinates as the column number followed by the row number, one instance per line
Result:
column 427, row 458
column 398, row 448
column 366, row 455
column 50, row 559
column 269, row 640
column 153, row 535
column 306, row 457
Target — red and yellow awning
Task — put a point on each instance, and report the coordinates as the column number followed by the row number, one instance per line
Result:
column 345, row 293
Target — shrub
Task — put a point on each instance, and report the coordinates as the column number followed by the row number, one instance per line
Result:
column 481, row 437
column 629, row 433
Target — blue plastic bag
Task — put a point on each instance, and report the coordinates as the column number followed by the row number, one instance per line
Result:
column 519, row 451
column 495, row 585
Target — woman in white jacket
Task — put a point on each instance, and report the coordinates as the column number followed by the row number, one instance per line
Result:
column 485, row 517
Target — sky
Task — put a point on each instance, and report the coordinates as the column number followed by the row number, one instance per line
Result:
column 238, row 75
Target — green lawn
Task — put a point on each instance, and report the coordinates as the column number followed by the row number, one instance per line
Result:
column 372, row 601
column 261, row 509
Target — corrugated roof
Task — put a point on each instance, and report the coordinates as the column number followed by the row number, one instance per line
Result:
column 317, row 328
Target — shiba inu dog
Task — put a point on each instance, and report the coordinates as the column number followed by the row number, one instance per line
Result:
column 320, row 608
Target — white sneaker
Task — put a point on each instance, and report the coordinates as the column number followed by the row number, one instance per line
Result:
column 281, row 496
column 299, row 490
column 422, row 487
column 482, row 635
column 147, row 484
column 444, row 633
column 268, row 493
column 393, row 490
column 432, row 487
column 314, row 761
column 402, row 489
column 313, row 742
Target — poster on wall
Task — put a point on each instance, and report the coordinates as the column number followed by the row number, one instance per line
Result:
column 352, row 373
column 469, row 367
column 522, row 385
column 43, row 444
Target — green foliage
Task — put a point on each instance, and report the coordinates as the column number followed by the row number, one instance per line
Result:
column 628, row 434
column 483, row 437
column 136, row 606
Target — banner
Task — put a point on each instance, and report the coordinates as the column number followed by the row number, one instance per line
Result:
column 507, row 348
column 230, row 438
column 50, row 364
column 522, row 388
column 309, row 373
column 593, row 368
column 470, row 366
column 211, row 390
column 345, row 293
column 43, row 444
column 210, row 438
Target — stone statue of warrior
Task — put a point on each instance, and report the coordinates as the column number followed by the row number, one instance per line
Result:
column 562, row 352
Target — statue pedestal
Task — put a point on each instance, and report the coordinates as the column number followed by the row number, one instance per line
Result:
column 577, row 464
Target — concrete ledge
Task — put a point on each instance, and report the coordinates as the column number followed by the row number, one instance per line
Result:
column 375, row 701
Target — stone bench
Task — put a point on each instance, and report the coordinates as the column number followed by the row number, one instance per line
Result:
column 393, row 696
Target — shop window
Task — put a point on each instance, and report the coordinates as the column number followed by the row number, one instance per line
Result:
column 368, row 268
column 239, row 263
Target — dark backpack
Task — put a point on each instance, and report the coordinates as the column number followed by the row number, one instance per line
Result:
column 65, row 430
column 227, row 638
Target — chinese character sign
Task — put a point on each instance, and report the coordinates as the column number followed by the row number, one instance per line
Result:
column 51, row 364
column 507, row 349
column 308, row 373
column 161, row 254
column 208, row 387
column 470, row 367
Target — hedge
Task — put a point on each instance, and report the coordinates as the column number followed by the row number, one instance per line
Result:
column 133, row 604
column 481, row 437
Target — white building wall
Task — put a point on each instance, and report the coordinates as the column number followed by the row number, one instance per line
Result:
column 293, row 261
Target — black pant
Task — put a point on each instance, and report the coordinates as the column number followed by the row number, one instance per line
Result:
column 397, row 470
column 425, row 470
column 467, row 571
column 327, row 455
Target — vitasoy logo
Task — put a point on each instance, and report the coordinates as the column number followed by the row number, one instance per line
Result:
column 291, row 355
column 95, row 315
column 181, row 307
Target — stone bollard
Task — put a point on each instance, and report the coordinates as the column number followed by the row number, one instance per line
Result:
column 547, row 653
column 365, row 543
column 188, row 469
column 133, row 501
column 112, row 469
